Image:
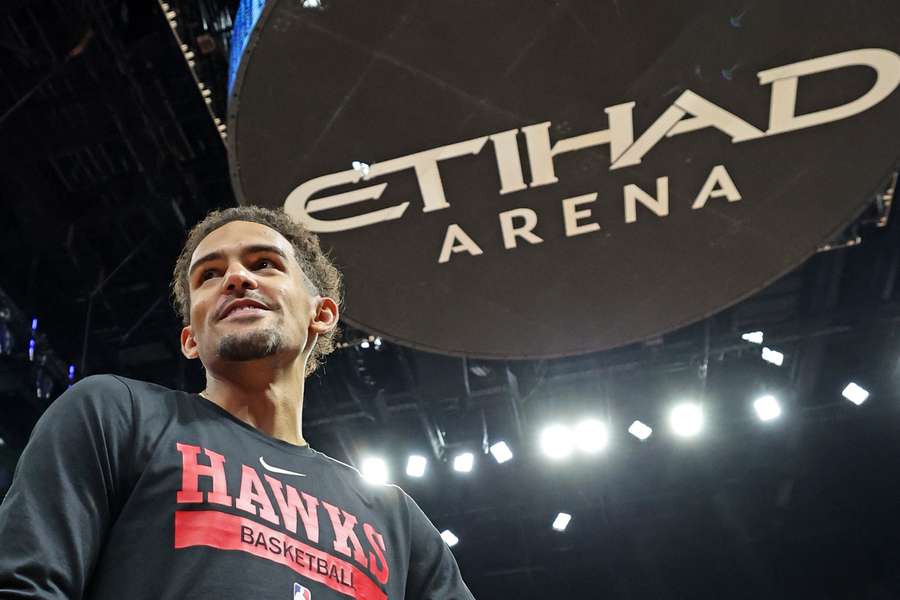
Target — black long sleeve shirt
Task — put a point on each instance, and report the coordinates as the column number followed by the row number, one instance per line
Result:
column 128, row 489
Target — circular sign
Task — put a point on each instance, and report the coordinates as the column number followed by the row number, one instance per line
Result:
column 523, row 179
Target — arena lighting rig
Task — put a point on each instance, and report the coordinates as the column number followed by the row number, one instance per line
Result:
column 591, row 435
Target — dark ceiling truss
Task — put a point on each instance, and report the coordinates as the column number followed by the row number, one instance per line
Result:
column 109, row 148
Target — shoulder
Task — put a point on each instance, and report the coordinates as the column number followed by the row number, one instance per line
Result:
column 107, row 395
column 140, row 389
column 94, row 391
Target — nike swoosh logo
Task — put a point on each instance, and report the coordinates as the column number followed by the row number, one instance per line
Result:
column 262, row 461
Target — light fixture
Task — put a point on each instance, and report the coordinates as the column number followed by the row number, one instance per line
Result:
column 463, row 462
column 591, row 436
column 501, row 452
column 755, row 337
column 374, row 470
column 415, row 466
column 686, row 419
column 767, row 408
column 640, row 430
column 364, row 344
column 448, row 537
column 855, row 393
column 773, row 356
column 556, row 441
column 561, row 521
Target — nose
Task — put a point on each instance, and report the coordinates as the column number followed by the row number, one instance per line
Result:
column 238, row 277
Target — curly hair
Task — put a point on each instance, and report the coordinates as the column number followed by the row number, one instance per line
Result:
column 316, row 265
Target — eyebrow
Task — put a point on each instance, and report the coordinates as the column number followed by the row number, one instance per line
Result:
column 254, row 249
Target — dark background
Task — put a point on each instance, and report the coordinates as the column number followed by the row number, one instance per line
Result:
column 110, row 153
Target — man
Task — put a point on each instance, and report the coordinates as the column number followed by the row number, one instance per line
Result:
column 127, row 489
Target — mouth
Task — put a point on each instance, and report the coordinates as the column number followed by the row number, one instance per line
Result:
column 243, row 309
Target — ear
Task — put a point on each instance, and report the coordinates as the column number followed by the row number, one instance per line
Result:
column 326, row 317
column 189, row 343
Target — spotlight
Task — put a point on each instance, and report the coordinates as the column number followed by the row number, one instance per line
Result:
column 591, row 436
column 501, row 452
column 755, row 337
column 31, row 349
column 415, row 466
column 43, row 385
column 686, row 419
column 767, row 408
column 556, row 441
column 640, row 430
column 377, row 342
column 374, row 470
column 364, row 344
column 448, row 537
column 6, row 339
column 561, row 521
column 34, row 324
column 855, row 394
column 772, row 356
column 361, row 167
column 463, row 462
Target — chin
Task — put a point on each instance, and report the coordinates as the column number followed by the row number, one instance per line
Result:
column 250, row 345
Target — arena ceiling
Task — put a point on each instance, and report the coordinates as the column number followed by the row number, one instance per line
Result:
column 111, row 151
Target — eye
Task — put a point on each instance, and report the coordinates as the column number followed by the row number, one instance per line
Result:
column 266, row 261
column 203, row 275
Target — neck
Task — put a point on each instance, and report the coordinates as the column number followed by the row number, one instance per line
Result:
column 266, row 398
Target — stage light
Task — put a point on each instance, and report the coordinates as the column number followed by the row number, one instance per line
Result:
column 640, row 430
column 362, row 167
column 755, row 337
column 556, row 441
column 364, row 344
column 7, row 342
column 591, row 436
column 31, row 349
column 767, row 408
column 772, row 356
column 855, row 393
column 448, row 537
column 374, row 470
column 501, row 452
column 686, row 419
column 463, row 462
column 561, row 521
column 377, row 342
column 71, row 372
column 415, row 466
column 43, row 385
column 34, row 324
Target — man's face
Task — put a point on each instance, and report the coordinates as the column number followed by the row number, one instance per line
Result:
column 249, row 297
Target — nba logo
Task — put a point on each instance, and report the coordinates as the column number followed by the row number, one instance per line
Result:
column 301, row 593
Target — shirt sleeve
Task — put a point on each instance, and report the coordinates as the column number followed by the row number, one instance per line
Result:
column 67, row 489
column 433, row 572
